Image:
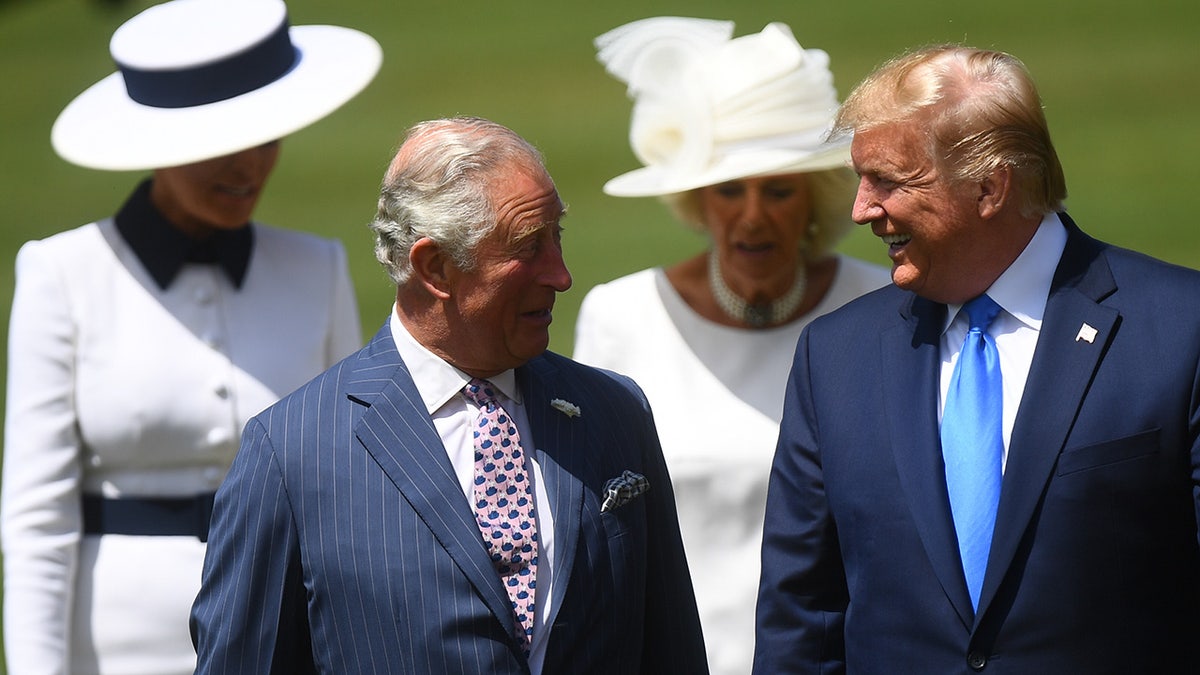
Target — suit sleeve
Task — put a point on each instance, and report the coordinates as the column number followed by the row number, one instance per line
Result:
column 673, row 641
column 802, row 596
column 40, row 518
column 1194, row 431
column 250, row 615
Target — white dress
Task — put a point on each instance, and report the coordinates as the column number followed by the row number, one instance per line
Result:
column 119, row 388
column 717, row 396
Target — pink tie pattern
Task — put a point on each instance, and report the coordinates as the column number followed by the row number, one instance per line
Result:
column 503, row 504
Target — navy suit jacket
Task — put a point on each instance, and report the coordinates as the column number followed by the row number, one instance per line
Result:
column 342, row 542
column 1094, row 565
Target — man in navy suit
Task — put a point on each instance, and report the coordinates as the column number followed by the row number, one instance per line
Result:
column 1089, row 561
column 349, row 536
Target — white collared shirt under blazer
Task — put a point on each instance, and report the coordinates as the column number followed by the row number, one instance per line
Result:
column 120, row 388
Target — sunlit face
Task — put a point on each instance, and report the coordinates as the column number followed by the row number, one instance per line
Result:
column 939, row 246
column 505, row 302
column 758, row 226
column 218, row 193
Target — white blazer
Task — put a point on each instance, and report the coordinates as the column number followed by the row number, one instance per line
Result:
column 119, row 388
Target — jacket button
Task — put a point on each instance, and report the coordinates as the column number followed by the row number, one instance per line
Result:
column 976, row 661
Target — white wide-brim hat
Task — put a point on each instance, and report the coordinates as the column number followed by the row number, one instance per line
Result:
column 200, row 79
column 710, row 108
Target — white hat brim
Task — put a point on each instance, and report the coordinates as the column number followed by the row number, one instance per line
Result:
column 103, row 128
column 657, row 181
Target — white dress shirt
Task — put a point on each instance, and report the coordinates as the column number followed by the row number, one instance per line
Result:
column 1021, row 291
column 440, row 386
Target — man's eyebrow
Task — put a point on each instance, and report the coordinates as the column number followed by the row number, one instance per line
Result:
column 533, row 229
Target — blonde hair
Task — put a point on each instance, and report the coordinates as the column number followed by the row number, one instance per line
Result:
column 983, row 113
column 832, row 193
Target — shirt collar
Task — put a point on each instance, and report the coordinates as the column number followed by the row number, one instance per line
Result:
column 437, row 381
column 1023, row 288
column 163, row 249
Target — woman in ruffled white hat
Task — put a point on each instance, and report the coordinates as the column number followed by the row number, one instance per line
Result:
column 732, row 133
column 141, row 343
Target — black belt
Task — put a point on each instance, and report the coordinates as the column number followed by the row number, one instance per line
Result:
column 148, row 516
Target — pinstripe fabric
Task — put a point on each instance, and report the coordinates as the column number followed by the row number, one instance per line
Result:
column 342, row 543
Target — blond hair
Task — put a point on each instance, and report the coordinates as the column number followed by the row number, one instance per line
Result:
column 981, row 109
column 831, row 192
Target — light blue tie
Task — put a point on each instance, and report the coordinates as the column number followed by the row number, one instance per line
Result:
column 972, row 442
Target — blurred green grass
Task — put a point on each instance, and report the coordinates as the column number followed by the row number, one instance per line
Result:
column 1120, row 82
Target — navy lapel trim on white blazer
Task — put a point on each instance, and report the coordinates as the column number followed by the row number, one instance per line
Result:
column 397, row 431
column 1062, row 369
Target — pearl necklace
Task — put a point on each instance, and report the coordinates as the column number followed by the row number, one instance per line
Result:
column 760, row 315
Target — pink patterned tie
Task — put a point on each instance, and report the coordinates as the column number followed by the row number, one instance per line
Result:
column 504, row 504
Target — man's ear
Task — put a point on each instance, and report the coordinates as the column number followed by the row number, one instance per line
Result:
column 995, row 191
column 431, row 267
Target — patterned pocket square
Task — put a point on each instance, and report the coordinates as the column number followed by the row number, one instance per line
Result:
column 623, row 489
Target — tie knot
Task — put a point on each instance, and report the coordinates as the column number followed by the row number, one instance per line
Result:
column 981, row 311
column 481, row 392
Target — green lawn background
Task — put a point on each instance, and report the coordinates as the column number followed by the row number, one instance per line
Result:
column 1119, row 81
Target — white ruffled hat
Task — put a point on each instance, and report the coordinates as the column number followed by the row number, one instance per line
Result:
column 710, row 108
column 199, row 79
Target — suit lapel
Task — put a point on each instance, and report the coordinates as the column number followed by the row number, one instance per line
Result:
column 1059, row 375
column 1062, row 368
column 910, row 364
column 560, row 456
column 397, row 431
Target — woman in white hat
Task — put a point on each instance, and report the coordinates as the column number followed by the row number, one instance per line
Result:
column 732, row 132
column 140, row 344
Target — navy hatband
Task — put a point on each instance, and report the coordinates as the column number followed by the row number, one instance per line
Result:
column 232, row 76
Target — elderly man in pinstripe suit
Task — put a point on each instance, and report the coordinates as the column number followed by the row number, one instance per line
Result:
column 371, row 524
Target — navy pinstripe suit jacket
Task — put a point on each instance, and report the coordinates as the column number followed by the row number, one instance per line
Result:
column 341, row 541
